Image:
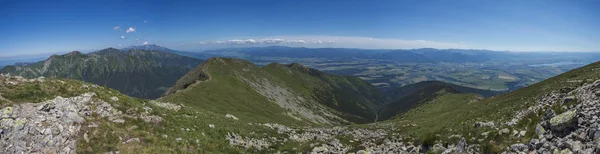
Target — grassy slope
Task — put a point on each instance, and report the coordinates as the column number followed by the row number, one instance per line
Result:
column 455, row 113
column 350, row 95
column 409, row 96
column 111, row 136
column 224, row 92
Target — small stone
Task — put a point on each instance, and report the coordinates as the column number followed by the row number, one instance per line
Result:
column 85, row 137
column 133, row 140
column 178, row 139
column 231, row 117
column 387, row 141
column 504, row 131
column 114, row 98
column 211, row 125
column 522, row 133
column 566, row 151
column 574, row 145
column 93, row 125
column 320, row 150
column 119, row 121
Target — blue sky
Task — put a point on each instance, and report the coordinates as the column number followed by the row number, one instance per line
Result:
column 35, row 27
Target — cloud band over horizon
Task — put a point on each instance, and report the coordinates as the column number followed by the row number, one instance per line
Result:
column 325, row 42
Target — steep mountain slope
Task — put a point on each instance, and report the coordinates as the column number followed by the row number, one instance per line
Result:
column 400, row 92
column 138, row 73
column 410, row 96
column 289, row 94
column 490, row 122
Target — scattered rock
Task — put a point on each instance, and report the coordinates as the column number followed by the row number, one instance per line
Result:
column 504, row 131
column 518, row 147
column 166, row 105
column 22, row 131
column 237, row 140
column 484, row 124
column 231, row 117
column 133, row 140
column 119, row 121
column 522, row 133
column 114, row 98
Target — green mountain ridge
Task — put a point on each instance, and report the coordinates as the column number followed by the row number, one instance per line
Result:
column 138, row 73
column 410, row 96
column 291, row 93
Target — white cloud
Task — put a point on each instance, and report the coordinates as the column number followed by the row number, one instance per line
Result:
column 331, row 42
column 122, row 37
column 130, row 30
column 145, row 21
column 117, row 28
column 145, row 43
column 264, row 41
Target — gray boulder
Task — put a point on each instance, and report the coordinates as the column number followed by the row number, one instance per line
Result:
column 564, row 123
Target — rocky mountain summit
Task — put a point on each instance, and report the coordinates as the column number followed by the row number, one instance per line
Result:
column 56, row 125
column 48, row 127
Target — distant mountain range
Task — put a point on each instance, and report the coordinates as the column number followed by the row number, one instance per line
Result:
column 155, row 47
column 138, row 73
column 428, row 55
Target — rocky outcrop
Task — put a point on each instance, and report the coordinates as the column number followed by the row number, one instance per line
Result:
column 48, row 127
column 575, row 131
column 166, row 105
column 325, row 140
column 237, row 140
